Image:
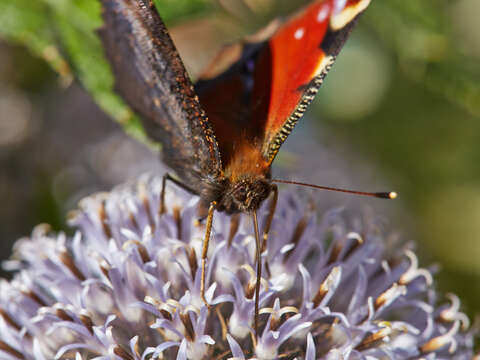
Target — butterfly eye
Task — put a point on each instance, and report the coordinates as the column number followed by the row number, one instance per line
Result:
column 240, row 194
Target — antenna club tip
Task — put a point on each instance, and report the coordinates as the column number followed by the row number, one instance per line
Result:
column 386, row 195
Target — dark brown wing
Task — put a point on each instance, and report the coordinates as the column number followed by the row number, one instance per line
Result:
column 227, row 97
column 150, row 76
column 270, row 82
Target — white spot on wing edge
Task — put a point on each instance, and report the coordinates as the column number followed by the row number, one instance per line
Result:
column 299, row 33
column 338, row 6
column 338, row 21
column 323, row 13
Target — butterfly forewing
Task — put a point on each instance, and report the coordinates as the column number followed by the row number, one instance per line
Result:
column 271, row 83
column 302, row 52
column 150, row 76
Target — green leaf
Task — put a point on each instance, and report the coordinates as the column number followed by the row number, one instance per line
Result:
column 29, row 23
column 76, row 23
column 64, row 33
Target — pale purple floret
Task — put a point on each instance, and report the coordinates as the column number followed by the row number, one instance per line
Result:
column 126, row 286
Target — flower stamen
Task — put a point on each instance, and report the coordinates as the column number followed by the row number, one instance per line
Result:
column 389, row 295
column 61, row 313
column 374, row 339
column 442, row 340
column 30, row 294
column 177, row 215
column 102, row 214
column 142, row 250
column 10, row 350
column 121, row 352
column 413, row 271
column 105, row 268
column 353, row 245
column 250, row 287
column 296, row 236
column 192, row 261
column 331, row 281
column 187, row 323
column 8, row 319
column 142, row 194
column 86, row 321
column 452, row 313
column 276, row 314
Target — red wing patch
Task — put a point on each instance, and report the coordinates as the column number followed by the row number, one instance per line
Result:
column 302, row 52
column 255, row 92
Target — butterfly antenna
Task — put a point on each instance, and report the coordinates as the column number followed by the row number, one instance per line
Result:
column 381, row 195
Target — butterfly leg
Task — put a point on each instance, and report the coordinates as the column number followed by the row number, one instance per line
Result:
column 206, row 240
column 259, row 271
column 271, row 212
column 166, row 177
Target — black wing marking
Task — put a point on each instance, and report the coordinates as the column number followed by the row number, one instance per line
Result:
column 150, row 76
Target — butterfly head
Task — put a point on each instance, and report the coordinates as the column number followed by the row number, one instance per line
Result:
column 245, row 195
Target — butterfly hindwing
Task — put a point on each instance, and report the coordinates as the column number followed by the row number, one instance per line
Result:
column 150, row 76
column 227, row 96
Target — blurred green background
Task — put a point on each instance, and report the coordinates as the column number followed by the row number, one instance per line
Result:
column 405, row 93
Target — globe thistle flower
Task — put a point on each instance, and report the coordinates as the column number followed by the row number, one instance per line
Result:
column 126, row 286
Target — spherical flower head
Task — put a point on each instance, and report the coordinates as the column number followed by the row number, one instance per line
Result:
column 126, row 286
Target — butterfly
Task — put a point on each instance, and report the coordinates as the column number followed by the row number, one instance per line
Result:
column 221, row 135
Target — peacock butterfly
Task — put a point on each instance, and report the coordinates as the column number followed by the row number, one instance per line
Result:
column 221, row 136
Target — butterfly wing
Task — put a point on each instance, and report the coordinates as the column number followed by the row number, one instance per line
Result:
column 313, row 39
column 227, row 97
column 272, row 80
column 150, row 76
